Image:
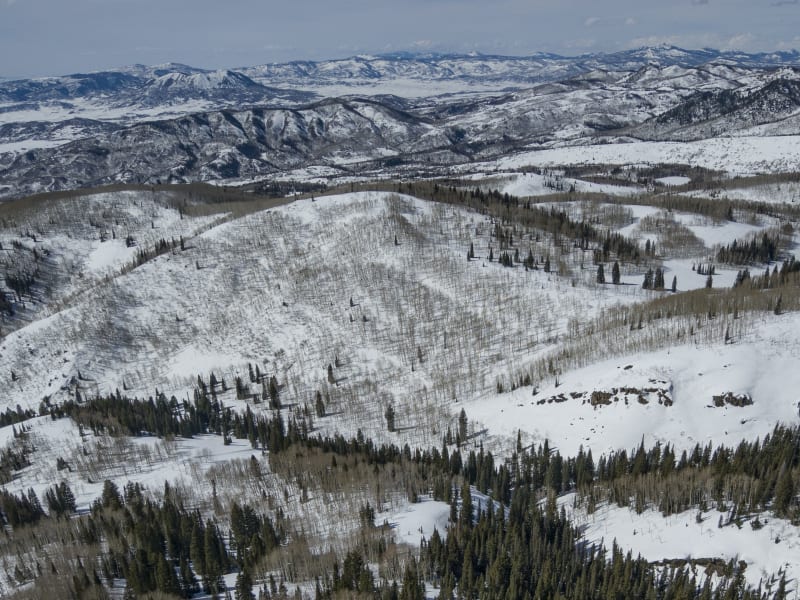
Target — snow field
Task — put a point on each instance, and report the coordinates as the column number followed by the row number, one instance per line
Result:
column 768, row 551
column 737, row 156
column 690, row 375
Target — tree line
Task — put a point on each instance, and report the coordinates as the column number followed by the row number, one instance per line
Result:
column 510, row 547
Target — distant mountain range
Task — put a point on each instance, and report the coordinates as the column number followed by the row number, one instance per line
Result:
column 144, row 86
column 401, row 112
column 481, row 68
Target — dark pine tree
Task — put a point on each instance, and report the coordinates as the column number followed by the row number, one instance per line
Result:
column 389, row 414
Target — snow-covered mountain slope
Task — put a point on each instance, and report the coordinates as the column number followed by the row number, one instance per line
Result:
column 37, row 111
column 74, row 244
column 275, row 289
column 767, row 551
column 237, row 145
column 368, row 299
column 229, row 145
column 493, row 107
column 410, row 323
column 742, row 155
column 710, row 114
column 140, row 87
column 665, row 396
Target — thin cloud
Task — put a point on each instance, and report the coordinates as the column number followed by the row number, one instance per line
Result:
column 609, row 21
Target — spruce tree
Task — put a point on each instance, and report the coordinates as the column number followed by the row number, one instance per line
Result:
column 244, row 586
column 647, row 284
column 389, row 414
column 274, row 396
column 462, row 425
column 319, row 405
column 659, row 279
column 784, row 491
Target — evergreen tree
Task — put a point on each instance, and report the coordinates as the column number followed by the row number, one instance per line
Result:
column 601, row 276
column 658, row 282
column 413, row 589
column 165, row 578
column 319, row 405
column 647, row 284
column 110, row 497
column 389, row 414
column 215, row 558
column 274, row 395
column 784, row 491
column 615, row 276
column 60, row 499
column 188, row 580
column 244, row 586
column 465, row 516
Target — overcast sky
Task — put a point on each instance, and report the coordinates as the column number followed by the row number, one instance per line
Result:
column 50, row 37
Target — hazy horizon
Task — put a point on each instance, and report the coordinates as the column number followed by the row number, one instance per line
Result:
column 46, row 37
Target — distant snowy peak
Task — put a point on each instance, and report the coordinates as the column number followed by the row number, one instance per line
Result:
column 152, row 71
column 203, row 81
column 138, row 86
column 223, row 85
column 68, row 87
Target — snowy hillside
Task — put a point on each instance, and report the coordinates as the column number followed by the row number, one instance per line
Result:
column 436, row 326
column 366, row 304
column 300, row 299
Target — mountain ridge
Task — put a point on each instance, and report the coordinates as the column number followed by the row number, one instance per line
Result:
column 408, row 112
